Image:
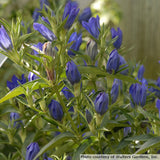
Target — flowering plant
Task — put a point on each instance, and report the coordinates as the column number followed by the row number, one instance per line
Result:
column 77, row 93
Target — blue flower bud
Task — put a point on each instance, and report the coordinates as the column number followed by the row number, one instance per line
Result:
column 5, row 41
column 92, row 49
column 88, row 116
column 72, row 73
column 138, row 93
column 117, row 34
column 67, row 93
column 32, row 151
column 123, row 62
column 56, row 110
column 14, row 83
column 92, row 26
column 101, row 103
column 46, row 157
column 71, row 10
column 32, row 76
column 114, row 91
column 113, row 62
column 85, row 15
column 45, row 20
column 76, row 44
column 13, row 118
column 48, row 34
column 141, row 72
column 36, row 14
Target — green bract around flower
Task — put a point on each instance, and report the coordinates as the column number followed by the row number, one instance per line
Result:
column 48, row 34
column 5, row 41
column 72, row 73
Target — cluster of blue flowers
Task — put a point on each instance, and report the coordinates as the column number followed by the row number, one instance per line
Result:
column 116, row 64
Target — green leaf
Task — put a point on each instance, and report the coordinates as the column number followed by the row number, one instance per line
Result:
column 20, row 90
column 152, row 142
column 84, row 146
column 61, row 138
column 139, row 138
column 122, row 145
column 94, row 71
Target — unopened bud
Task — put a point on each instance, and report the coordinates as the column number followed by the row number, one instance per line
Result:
column 92, row 49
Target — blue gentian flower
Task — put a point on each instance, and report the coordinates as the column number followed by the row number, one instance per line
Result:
column 138, row 93
column 5, row 40
column 13, row 118
column 56, row 110
column 117, row 34
column 48, row 34
column 141, row 72
column 88, row 116
column 126, row 131
column 45, row 20
column 32, row 76
column 92, row 26
column 115, row 91
column 123, row 62
column 101, row 103
column 76, row 44
column 85, row 15
column 113, row 62
column 158, row 106
column 14, row 83
column 72, row 73
column 36, row 14
column 45, row 157
column 67, row 93
column 32, row 151
column 92, row 49
column 71, row 10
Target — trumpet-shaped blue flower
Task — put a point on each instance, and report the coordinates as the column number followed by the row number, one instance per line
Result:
column 72, row 73
column 141, row 72
column 5, row 40
column 71, row 10
column 92, row 26
column 14, row 83
column 32, row 151
column 76, row 44
column 56, row 110
column 67, row 93
column 117, row 34
column 113, row 62
column 13, row 118
column 115, row 90
column 85, row 15
column 138, row 93
column 48, row 34
column 101, row 103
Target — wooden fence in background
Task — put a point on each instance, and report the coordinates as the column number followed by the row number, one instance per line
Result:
column 141, row 29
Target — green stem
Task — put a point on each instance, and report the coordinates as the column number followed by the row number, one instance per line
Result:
column 65, row 110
